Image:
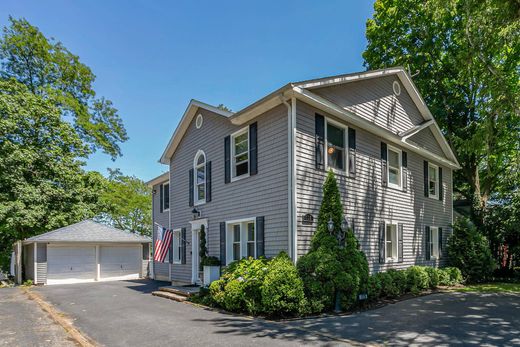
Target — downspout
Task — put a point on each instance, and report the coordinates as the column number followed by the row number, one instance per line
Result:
column 292, row 223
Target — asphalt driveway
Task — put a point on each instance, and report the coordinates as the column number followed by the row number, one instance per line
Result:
column 126, row 314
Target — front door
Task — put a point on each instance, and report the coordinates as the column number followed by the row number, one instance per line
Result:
column 195, row 259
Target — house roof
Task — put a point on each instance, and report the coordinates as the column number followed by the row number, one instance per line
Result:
column 88, row 231
column 304, row 91
column 159, row 179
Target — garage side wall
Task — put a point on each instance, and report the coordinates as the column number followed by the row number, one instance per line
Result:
column 28, row 262
column 41, row 263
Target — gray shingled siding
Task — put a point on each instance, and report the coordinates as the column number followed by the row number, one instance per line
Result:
column 41, row 263
column 374, row 100
column 160, row 269
column 365, row 200
column 264, row 194
column 425, row 139
column 28, row 262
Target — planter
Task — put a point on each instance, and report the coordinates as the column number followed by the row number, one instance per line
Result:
column 211, row 273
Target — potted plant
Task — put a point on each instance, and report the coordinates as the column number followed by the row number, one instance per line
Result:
column 211, row 267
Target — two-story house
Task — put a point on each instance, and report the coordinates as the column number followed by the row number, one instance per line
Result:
column 254, row 178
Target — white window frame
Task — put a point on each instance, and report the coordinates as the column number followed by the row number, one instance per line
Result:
column 400, row 166
column 434, row 243
column 243, row 238
column 396, row 247
column 436, row 168
column 165, row 192
column 345, row 151
column 196, row 200
column 176, row 246
column 233, row 154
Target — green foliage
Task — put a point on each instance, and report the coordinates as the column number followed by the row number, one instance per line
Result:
column 127, row 203
column 399, row 280
column 42, row 184
column 444, row 278
column 417, row 279
column 258, row 286
column 50, row 70
column 375, row 286
column 27, row 283
column 471, row 49
column 210, row 261
column 327, row 267
column 282, row 289
column 468, row 250
column 455, row 275
column 433, row 276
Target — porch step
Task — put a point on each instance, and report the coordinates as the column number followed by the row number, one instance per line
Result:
column 168, row 295
column 179, row 290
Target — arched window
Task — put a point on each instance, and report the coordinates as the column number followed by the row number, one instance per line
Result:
column 199, row 170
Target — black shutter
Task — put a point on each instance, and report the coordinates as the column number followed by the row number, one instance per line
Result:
column 253, row 149
column 227, row 159
column 440, row 242
column 319, row 125
column 441, row 193
column 381, row 242
column 384, row 171
column 161, row 207
column 426, row 191
column 400, row 242
column 427, row 240
column 208, row 181
column 404, row 162
column 260, row 236
column 352, row 152
column 183, row 248
column 223, row 243
column 191, row 188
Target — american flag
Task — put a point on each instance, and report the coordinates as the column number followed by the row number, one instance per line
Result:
column 162, row 243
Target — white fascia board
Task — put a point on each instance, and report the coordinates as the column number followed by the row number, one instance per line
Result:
column 335, row 80
column 164, row 177
column 185, row 122
column 355, row 120
column 412, row 131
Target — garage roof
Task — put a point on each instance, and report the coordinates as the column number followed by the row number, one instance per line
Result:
column 88, row 231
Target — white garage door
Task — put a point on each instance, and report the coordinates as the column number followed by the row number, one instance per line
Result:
column 120, row 262
column 71, row 264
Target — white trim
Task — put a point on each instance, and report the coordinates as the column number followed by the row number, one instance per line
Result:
column 399, row 163
column 196, row 201
column 337, row 124
column 35, row 254
column 98, row 264
column 175, row 250
column 433, row 244
column 195, row 245
column 294, row 205
column 159, row 179
column 414, row 130
column 164, row 195
column 243, row 238
column 244, row 130
column 396, row 87
column 201, row 118
column 437, row 192
column 396, row 258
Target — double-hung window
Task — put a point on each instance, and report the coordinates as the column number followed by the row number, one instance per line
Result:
column 433, row 181
column 434, row 242
column 240, row 153
column 241, row 240
column 166, row 196
column 391, row 241
column 394, row 167
column 200, row 177
column 336, row 146
column 177, row 246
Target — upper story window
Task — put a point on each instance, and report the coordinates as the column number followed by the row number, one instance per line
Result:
column 165, row 196
column 240, row 153
column 199, row 170
column 394, row 167
column 241, row 240
column 433, row 181
column 391, row 241
column 335, row 139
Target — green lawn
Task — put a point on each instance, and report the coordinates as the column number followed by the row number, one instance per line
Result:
column 498, row 287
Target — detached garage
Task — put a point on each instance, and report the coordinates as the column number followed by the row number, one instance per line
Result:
column 85, row 252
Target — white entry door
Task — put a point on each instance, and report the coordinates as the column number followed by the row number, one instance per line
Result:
column 71, row 264
column 120, row 262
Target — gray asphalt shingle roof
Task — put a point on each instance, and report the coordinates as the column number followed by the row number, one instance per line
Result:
column 88, row 231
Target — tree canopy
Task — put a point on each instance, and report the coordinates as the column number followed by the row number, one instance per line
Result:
column 464, row 56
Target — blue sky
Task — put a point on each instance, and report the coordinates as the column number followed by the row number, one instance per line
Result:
column 152, row 57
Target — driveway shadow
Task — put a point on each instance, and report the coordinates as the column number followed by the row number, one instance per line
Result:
column 145, row 286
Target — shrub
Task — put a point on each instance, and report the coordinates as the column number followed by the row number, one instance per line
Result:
column 416, row 279
column 329, row 268
column 444, row 277
column 455, row 275
column 388, row 287
column 399, row 280
column 282, row 288
column 433, row 276
column 374, row 287
column 469, row 251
